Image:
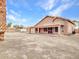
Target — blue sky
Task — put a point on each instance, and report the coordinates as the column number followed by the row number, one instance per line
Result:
column 29, row 12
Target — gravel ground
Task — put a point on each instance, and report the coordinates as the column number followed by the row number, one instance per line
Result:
column 39, row 46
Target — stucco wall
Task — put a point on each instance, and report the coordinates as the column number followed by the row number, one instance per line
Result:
column 49, row 21
column 32, row 30
column 69, row 27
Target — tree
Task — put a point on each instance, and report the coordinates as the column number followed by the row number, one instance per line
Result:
column 9, row 24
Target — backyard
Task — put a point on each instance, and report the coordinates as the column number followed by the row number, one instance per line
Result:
column 18, row 45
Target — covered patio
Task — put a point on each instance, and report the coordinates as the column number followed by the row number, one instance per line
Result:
column 51, row 29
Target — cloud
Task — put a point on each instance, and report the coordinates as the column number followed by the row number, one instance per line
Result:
column 12, row 2
column 47, row 4
column 13, row 17
column 14, row 12
column 18, row 3
column 60, row 9
column 77, row 4
column 16, row 20
column 66, row 1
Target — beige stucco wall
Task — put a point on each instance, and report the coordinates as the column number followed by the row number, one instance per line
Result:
column 28, row 30
column 69, row 27
column 32, row 30
column 49, row 21
column 58, row 21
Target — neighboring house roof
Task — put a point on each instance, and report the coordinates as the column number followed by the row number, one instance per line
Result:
column 56, row 17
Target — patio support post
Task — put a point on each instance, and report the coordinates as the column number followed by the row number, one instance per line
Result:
column 59, row 30
column 38, row 30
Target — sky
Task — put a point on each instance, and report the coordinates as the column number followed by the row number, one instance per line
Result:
column 30, row 12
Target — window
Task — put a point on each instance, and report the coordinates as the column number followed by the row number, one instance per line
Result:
column 56, row 29
column 62, row 28
column 45, row 29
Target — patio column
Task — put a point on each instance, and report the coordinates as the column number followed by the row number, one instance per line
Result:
column 38, row 30
column 59, row 30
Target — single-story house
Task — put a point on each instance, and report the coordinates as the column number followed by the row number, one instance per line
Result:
column 76, row 26
column 53, row 25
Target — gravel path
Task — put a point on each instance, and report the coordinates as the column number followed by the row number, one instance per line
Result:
column 39, row 46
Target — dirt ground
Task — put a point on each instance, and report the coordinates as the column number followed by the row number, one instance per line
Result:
column 39, row 46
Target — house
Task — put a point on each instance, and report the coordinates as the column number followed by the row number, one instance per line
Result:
column 23, row 29
column 76, row 26
column 2, row 18
column 53, row 25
